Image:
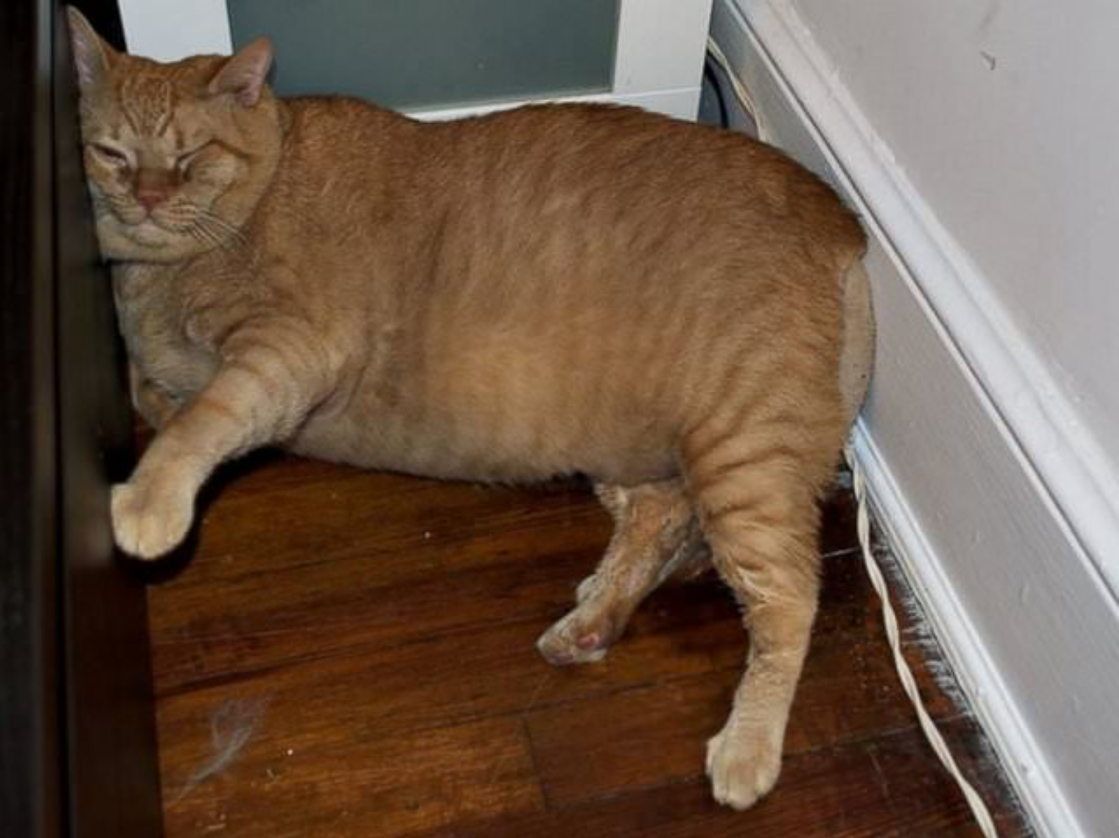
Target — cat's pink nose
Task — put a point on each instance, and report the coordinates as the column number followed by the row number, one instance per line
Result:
column 151, row 198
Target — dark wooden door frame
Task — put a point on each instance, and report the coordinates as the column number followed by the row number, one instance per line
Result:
column 30, row 745
column 77, row 735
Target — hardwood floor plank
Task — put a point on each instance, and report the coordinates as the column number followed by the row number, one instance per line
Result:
column 455, row 677
column 320, row 511
column 322, row 610
column 657, row 734
column 292, row 780
column 886, row 788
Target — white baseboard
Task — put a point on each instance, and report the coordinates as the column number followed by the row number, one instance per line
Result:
column 957, row 443
column 979, row 677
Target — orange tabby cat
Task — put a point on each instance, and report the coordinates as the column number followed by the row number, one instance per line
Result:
column 676, row 311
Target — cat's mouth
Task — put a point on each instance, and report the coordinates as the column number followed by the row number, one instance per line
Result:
column 122, row 238
column 137, row 222
column 147, row 230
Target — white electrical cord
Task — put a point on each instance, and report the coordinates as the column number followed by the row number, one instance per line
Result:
column 740, row 92
column 862, row 525
column 862, row 522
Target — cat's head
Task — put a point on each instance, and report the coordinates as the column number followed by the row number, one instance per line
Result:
column 177, row 155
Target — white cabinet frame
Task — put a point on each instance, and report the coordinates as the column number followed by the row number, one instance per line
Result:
column 658, row 62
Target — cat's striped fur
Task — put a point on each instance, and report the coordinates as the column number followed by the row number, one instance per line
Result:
column 678, row 312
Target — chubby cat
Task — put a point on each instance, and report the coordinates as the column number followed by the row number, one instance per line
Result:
column 678, row 312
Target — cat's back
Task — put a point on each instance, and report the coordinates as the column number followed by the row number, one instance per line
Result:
column 602, row 214
column 546, row 184
column 334, row 145
column 612, row 166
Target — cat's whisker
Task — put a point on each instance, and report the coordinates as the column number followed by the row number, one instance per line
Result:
column 230, row 238
column 228, row 241
column 215, row 226
column 201, row 225
column 223, row 225
column 177, row 224
column 202, row 235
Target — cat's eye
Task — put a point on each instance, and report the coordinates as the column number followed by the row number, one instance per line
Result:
column 183, row 161
column 113, row 156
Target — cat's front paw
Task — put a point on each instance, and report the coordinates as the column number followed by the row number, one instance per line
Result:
column 148, row 521
column 742, row 765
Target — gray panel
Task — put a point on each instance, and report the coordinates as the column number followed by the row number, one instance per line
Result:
column 428, row 53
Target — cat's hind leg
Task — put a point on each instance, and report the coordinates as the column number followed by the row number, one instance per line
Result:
column 655, row 537
column 756, row 498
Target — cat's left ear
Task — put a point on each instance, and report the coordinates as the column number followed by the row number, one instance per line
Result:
column 244, row 73
column 92, row 56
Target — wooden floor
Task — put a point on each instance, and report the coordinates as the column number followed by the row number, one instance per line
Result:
column 351, row 654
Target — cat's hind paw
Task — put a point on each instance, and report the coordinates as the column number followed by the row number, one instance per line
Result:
column 583, row 636
column 147, row 522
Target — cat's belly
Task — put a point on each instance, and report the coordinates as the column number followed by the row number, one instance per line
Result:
column 469, row 450
column 502, row 410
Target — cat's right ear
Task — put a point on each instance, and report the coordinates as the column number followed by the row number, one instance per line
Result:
column 244, row 74
column 93, row 58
